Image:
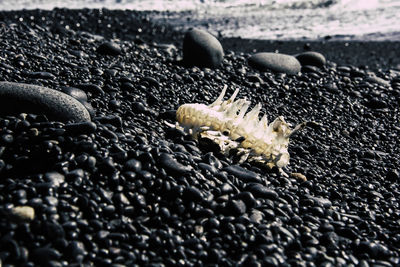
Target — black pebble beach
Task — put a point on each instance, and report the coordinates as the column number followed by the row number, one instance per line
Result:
column 125, row 189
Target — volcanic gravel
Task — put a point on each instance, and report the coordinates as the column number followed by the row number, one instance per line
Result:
column 126, row 189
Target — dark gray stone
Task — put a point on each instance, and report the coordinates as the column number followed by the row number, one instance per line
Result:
column 109, row 48
column 275, row 62
column 236, row 207
column 202, row 49
column 27, row 98
column 243, row 174
column 377, row 80
column 311, row 58
column 76, row 93
column 81, row 127
column 172, row 166
column 133, row 165
column 258, row 190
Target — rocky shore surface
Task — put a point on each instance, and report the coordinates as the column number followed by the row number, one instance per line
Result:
column 111, row 184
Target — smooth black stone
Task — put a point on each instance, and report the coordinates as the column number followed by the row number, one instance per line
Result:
column 133, row 165
column 311, row 58
column 41, row 75
column 207, row 167
column 347, row 232
column 322, row 202
column 6, row 139
column 202, row 49
column 140, row 200
column 275, row 62
column 120, row 198
column 329, row 239
column 258, row 190
column 90, row 87
column 172, row 166
column 20, row 98
column 76, row 250
column 236, row 207
column 248, row 198
column 139, row 107
column 109, row 48
column 376, row 103
column 80, row 128
column 393, row 175
column 378, row 80
column 44, row 255
column 373, row 249
column 245, row 175
column 226, row 188
column 213, row 161
column 2, row 165
column 76, row 93
column 192, row 194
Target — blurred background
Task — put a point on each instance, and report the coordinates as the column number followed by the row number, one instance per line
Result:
column 369, row 20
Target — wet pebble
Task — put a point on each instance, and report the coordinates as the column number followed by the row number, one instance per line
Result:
column 90, row 87
column 258, row 190
column 133, row 165
column 80, row 128
column 192, row 194
column 236, row 207
column 243, row 174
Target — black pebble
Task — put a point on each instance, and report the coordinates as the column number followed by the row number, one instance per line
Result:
column 202, row 49
column 80, row 128
column 76, row 93
column 192, row 194
column 172, row 165
column 109, row 48
column 311, row 58
column 258, row 190
column 45, row 255
column 243, row 174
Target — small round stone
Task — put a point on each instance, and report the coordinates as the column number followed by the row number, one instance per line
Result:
column 243, row 174
column 311, row 58
column 298, row 176
column 133, row 165
column 17, row 98
column 202, row 49
column 76, row 93
column 275, row 62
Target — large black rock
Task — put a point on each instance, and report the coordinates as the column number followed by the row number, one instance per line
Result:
column 202, row 49
column 18, row 98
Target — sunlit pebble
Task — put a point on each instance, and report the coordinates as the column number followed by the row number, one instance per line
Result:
column 23, row 213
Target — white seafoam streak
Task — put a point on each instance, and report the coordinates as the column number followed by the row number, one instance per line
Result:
column 260, row 19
